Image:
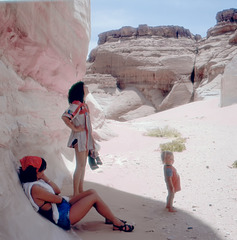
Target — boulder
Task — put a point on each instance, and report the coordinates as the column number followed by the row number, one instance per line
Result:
column 180, row 94
column 229, row 84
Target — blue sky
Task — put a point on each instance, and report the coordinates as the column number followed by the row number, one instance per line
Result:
column 196, row 15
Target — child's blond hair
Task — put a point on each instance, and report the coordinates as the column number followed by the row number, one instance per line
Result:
column 164, row 154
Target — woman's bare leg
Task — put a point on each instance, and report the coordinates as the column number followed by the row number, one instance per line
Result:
column 79, row 173
column 85, row 202
column 78, row 197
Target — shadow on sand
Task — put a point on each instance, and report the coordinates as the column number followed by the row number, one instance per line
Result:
column 151, row 219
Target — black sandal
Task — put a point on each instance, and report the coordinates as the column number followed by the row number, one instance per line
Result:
column 125, row 228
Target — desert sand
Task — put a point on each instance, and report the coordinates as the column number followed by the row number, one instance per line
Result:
column 131, row 178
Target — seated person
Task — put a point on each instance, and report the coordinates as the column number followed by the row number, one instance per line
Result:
column 44, row 197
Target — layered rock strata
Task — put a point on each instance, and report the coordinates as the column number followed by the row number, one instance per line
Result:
column 43, row 49
column 126, row 33
column 167, row 65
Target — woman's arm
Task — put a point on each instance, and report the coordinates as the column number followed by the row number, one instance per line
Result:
column 51, row 183
column 39, row 194
column 68, row 122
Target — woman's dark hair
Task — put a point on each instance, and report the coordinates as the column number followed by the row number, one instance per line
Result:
column 30, row 174
column 76, row 92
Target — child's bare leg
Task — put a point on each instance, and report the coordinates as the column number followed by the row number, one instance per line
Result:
column 169, row 203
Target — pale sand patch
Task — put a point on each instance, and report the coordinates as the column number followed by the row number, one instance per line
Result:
column 131, row 178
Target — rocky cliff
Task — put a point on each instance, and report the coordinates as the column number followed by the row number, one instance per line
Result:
column 43, row 49
column 168, row 65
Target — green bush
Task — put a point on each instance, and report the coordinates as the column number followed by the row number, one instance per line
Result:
column 234, row 165
column 177, row 145
column 165, row 132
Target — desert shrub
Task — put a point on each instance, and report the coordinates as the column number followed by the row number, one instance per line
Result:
column 177, row 145
column 164, row 132
column 234, row 165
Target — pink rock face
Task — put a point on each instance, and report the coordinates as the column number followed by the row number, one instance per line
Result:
column 43, row 49
column 45, row 41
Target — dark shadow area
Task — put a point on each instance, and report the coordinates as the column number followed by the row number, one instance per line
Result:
column 151, row 219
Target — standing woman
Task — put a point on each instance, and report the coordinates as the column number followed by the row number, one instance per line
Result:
column 77, row 118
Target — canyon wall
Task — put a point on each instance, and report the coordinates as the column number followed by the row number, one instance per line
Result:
column 43, row 50
column 167, row 65
column 228, row 84
column 133, row 72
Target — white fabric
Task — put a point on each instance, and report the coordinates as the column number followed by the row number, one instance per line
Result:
column 84, row 139
column 27, row 188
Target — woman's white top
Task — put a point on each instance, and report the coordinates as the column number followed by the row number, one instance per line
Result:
column 27, row 188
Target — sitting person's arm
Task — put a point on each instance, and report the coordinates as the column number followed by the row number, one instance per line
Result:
column 40, row 195
column 51, row 183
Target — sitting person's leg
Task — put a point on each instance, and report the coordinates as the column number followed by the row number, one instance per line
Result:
column 82, row 204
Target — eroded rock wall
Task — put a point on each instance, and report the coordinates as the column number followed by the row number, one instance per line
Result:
column 229, row 84
column 158, row 60
column 43, row 49
column 148, row 64
column 126, row 33
column 41, row 40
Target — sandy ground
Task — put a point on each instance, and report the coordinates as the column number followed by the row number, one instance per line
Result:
column 131, row 178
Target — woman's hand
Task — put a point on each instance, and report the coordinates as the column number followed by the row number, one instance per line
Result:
column 45, row 178
column 79, row 128
column 68, row 122
column 51, row 183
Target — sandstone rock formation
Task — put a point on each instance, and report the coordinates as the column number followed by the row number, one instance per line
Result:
column 228, row 15
column 43, row 49
column 228, row 84
column 126, row 33
column 152, row 65
column 25, row 33
column 168, row 64
column 226, row 22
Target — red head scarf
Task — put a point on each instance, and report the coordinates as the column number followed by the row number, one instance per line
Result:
column 31, row 161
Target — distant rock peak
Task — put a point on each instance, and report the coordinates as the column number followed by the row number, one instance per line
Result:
column 128, row 32
column 228, row 15
column 226, row 23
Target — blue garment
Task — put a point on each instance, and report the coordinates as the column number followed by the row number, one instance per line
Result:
column 168, row 172
column 63, row 209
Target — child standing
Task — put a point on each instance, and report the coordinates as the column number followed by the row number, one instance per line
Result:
column 172, row 178
column 77, row 118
